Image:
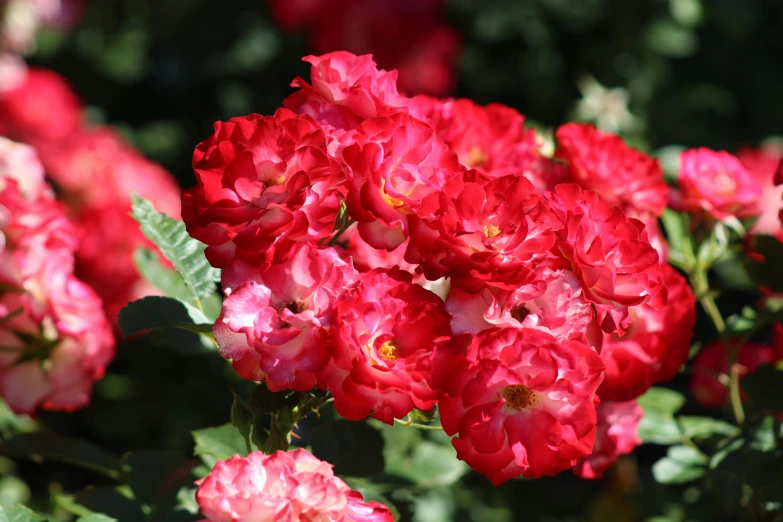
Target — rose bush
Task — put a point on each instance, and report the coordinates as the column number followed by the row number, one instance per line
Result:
column 382, row 286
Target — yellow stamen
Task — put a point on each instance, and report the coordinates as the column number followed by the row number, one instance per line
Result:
column 274, row 181
column 389, row 351
column 518, row 397
column 491, row 231
column 477, row 158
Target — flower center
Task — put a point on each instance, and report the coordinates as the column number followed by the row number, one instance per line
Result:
column 477, row 158
column 389, row 351
column 274, row 181
column 724, row 184
column 519, row 312
column 491, row 231
column 518, row 397
column 295, row 307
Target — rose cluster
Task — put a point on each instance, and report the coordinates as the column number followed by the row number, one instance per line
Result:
column 55, row 340
column 95, row 172
column 410, row 36
column 282, row 487
column 404, row 253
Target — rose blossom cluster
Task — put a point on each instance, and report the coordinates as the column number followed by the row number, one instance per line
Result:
column 407, row 35
column 95, row 172
column 20, row 21
column 55, row 338
column 406, row 253
column 282, row 487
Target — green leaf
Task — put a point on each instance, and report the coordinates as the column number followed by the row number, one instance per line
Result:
column 279, row 429
column 171, row 283
column 184, row 252
column 658, row 425
column 11, row 423
column 77, row 452
column 354, row 448
column 175, row 324
column 765, row 387
column 681, row 464
column 219, row 443
column 764, row 268
column 429, row 464
column 661, row 400
column 706, row 427
column 241, row 417
column 19, row 513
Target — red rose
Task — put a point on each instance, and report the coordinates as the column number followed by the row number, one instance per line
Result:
column 478, row 230
column 386, row 330
column 261, row 179
column 610, row 254
column 394, row 165
column 282, row 487
column 274, row 325
column 521, row 403
column 717, row 184
column 620, row 174
column 655, row 346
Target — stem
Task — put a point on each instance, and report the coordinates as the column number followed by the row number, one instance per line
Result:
column 734, row 394
column 339, row 233
column 708, row 303
column 411, row 424
column 701, row 286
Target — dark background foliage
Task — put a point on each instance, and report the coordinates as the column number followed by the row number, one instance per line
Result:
column 696, row 72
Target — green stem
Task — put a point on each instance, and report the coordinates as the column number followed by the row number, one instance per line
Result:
column 411, row 424
column 340, row 232
column 701, row 287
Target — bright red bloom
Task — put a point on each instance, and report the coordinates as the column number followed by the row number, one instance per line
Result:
column 42, row 108
column 54, row 320
column 261, row 179
column 551, row 301
column 603, row 163
column 617, row 434
column 491, row 139
column 282, row 487
column 382, row 344
column 275, row 320
column 394, row 165
column 354, row 82
column 655, row 346
column 521, row 403
column 764, row 163
column 716, row 183
column 478, row 230
column 712, row 363
column 610, row 254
